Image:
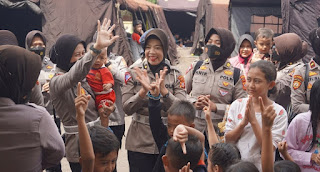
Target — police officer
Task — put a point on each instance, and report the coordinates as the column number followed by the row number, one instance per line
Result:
column 304, row 77
column 214, row 80
column 142, row 149
column 287, row 54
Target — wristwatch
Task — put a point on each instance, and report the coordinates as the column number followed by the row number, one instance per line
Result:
column 166, row 95
column 108, row 64
column 95, row 50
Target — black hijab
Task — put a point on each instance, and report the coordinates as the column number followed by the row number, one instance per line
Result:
column 61, row 52
column 163, row 38
column 228, row 44
column 314, row 38
column 19, row 71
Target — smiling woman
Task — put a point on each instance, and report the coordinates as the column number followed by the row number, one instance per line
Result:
column 143, row 151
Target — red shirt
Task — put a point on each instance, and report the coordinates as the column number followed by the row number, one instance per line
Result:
column 136, row 37
column 97, row 77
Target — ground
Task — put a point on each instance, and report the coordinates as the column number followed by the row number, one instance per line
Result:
column 122, row 164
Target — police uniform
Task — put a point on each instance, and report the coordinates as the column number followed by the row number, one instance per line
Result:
column 218, row 84
column 283, row 85
column 300, row 96
column 139, row 137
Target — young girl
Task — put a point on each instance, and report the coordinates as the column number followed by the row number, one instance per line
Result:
column 303, row 134
column 243, row 125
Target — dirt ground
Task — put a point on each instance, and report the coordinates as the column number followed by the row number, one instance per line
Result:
column 122, row 164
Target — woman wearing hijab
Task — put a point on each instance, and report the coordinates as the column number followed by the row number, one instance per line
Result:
column 72, row 67
column 245, row 48
column 287, row 54
column 214, row 81
column 29, row 138
column 310, row 72
column 142, row 149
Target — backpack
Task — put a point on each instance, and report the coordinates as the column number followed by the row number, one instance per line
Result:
column 236, row 73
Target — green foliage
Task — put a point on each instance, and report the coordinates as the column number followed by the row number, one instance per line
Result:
column 153, row 1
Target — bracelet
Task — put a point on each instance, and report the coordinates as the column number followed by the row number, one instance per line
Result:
column 153, row 97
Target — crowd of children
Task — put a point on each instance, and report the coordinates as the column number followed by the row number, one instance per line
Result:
column 244, row 113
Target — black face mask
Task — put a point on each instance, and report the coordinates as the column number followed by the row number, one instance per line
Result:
column 214, row 52
column 39, row 50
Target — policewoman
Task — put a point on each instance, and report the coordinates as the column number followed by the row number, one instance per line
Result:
column 304, row 77
column 142, row 149
column 214, row 81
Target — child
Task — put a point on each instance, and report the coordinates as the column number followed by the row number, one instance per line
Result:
column 181, row 112
column 175, row 159
column 101, row 152
column 245, row 48
column 243, row 126
column 101, row 81
column 303, row 134
column 137, row 31
column 263, row 42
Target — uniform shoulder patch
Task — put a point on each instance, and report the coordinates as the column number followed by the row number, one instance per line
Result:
column 127, row 77
column 182, row 82
column 243, row 79
column 297, row 81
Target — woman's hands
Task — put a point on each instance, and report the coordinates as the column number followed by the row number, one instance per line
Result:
column 104, row 35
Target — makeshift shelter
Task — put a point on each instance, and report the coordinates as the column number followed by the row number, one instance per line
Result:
column 79, row 17
column 239, row 16
column 180, row 15
column 300, row 17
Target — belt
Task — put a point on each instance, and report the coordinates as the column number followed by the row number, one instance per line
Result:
column 145, row 119
column 74, row 129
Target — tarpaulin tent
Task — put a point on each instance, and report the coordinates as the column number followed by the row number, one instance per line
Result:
column 240, row 16
column 300, row 17
column 180, row 15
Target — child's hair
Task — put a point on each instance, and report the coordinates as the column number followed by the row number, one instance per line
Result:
column 315, row 110
column 178, row 159
column 183, row 108
column 224, row 155
column 103, row 140
column 242, row 166
column 286, row 166
column 269, row 70
column 263, row 33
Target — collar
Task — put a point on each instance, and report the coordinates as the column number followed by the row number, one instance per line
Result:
column 241, row 60
column 4, row 101
column 227, row 64
column 313, row 64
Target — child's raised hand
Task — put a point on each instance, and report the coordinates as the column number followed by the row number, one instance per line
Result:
column 81, row 102
column 207, row 112
column 104, row 34
column 180, row 134
column 282, row 147
column 142, row 77
column 186, row 168
column 268, row 114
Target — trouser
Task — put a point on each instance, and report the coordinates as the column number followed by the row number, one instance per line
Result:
column 141, row 162
column 75, row 166
column 118, row 130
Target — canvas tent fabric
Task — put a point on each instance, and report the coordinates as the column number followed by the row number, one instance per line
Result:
column 300, row 17
column 21, row 5
column 179, row 5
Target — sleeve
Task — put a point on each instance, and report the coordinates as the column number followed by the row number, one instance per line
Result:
column 158, row 129
column 119, row 68
column 178, row 90
column 299, row 156
column 60, row 83
column 189, row 77
column 106, row 76
column 51, row 142
column 131, row 100
column 36, row 96
column 231, row 123
column 279, row 127
column 298, row 95
column 283, row 85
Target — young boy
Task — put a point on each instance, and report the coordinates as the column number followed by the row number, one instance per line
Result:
column 263, row 42
column 137, row 31
column 101, row 81
column 101, row 152
column 175, row 159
